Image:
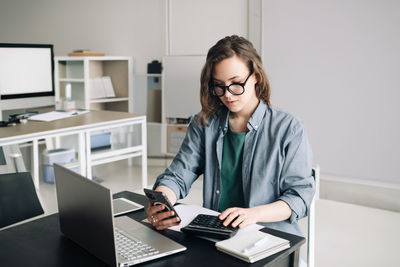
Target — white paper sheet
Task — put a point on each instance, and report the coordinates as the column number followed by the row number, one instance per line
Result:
column 56, row 115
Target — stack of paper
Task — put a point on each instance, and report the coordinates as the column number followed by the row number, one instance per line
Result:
column 253, row 246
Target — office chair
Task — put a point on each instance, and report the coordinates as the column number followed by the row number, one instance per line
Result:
column 18, row 198
column 311, row 221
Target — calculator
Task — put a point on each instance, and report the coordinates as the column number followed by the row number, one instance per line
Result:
column 210, row 226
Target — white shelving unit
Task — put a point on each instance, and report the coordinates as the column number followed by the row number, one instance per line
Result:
column 78, row 71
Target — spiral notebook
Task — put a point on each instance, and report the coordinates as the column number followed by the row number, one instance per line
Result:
column 253, row 246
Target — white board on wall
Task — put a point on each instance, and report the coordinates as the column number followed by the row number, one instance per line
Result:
column 336, row 65
column 181, row 85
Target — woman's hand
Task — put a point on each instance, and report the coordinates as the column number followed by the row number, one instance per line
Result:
column 161, row 219
column 239, row 216
column 274, row 212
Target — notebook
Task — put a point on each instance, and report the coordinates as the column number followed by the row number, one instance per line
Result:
column 86, row 217
column 253, row 246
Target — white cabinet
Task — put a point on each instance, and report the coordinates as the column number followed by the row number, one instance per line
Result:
column 80, row 73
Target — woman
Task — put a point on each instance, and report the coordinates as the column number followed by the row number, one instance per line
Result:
column 255, row 158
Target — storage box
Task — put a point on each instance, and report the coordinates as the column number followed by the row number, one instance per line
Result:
column 61, row 156
column 100, row 141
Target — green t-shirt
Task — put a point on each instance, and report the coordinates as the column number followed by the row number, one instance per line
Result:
column 231, row 170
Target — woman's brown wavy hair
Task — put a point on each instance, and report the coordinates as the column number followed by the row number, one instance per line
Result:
column 223, row 49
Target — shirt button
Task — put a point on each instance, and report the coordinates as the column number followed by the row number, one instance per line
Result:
column 255, row 127
column 217, row 191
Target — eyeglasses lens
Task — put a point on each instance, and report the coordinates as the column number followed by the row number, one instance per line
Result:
column 235, row 89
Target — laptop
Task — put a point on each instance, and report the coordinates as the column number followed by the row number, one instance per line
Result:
column 86, row 217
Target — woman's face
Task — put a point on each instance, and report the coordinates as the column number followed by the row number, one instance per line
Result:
column 234, row 70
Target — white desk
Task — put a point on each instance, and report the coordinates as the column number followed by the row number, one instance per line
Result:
column 82, row 125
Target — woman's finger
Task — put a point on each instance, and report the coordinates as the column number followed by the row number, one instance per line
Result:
column 230, row 217
column 240, row 219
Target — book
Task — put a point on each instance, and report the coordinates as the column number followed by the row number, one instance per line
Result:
column 253, row 246
column 85, row 53
column 101, row 87
column 108, row 87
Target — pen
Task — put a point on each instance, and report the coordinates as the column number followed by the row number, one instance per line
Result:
column 256, row 244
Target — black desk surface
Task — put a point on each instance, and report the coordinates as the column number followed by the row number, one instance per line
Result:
column 40, row 243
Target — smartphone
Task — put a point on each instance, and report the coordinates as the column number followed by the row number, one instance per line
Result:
column 158, row 198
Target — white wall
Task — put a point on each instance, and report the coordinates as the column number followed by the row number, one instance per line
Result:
column 197, row 25
column 336, row 65
column 121, row 27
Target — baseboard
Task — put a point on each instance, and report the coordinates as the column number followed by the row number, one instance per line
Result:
column 361, row 192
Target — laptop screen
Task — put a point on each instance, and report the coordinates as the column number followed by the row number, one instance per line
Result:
column 85, row 212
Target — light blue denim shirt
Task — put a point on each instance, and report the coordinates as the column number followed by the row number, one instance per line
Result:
column 277, row 163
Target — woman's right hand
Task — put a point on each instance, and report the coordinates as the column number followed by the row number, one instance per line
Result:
column 161, row 219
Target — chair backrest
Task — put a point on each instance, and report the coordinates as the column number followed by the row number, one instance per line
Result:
column 311, row 221
column 18, row 198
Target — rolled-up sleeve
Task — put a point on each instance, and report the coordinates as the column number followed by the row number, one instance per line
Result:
column 296, row 183
column 187, row 165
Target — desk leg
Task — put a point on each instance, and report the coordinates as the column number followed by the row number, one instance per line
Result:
column 294, row 258
column 144, row 154
column 82, row 154
column 35, row 162
column 88, row 157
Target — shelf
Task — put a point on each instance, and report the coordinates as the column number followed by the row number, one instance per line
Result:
column 107, row 100
column 110, row 155
column 72, row 80
column 148, row 75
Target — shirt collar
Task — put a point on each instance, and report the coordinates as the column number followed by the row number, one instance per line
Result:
column 257, row 117
column 254, row 121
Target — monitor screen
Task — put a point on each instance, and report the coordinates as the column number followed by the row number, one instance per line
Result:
column 26, row 70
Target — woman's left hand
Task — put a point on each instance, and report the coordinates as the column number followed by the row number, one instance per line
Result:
column 239, row 216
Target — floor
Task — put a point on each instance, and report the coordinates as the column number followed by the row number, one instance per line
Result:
column 346, row 234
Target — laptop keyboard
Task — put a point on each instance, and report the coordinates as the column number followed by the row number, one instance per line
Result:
column 131, row 248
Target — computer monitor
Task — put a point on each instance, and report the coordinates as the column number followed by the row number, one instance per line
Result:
column 26, row 76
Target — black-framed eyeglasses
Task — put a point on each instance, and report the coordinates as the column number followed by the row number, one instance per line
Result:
column 233, row 88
